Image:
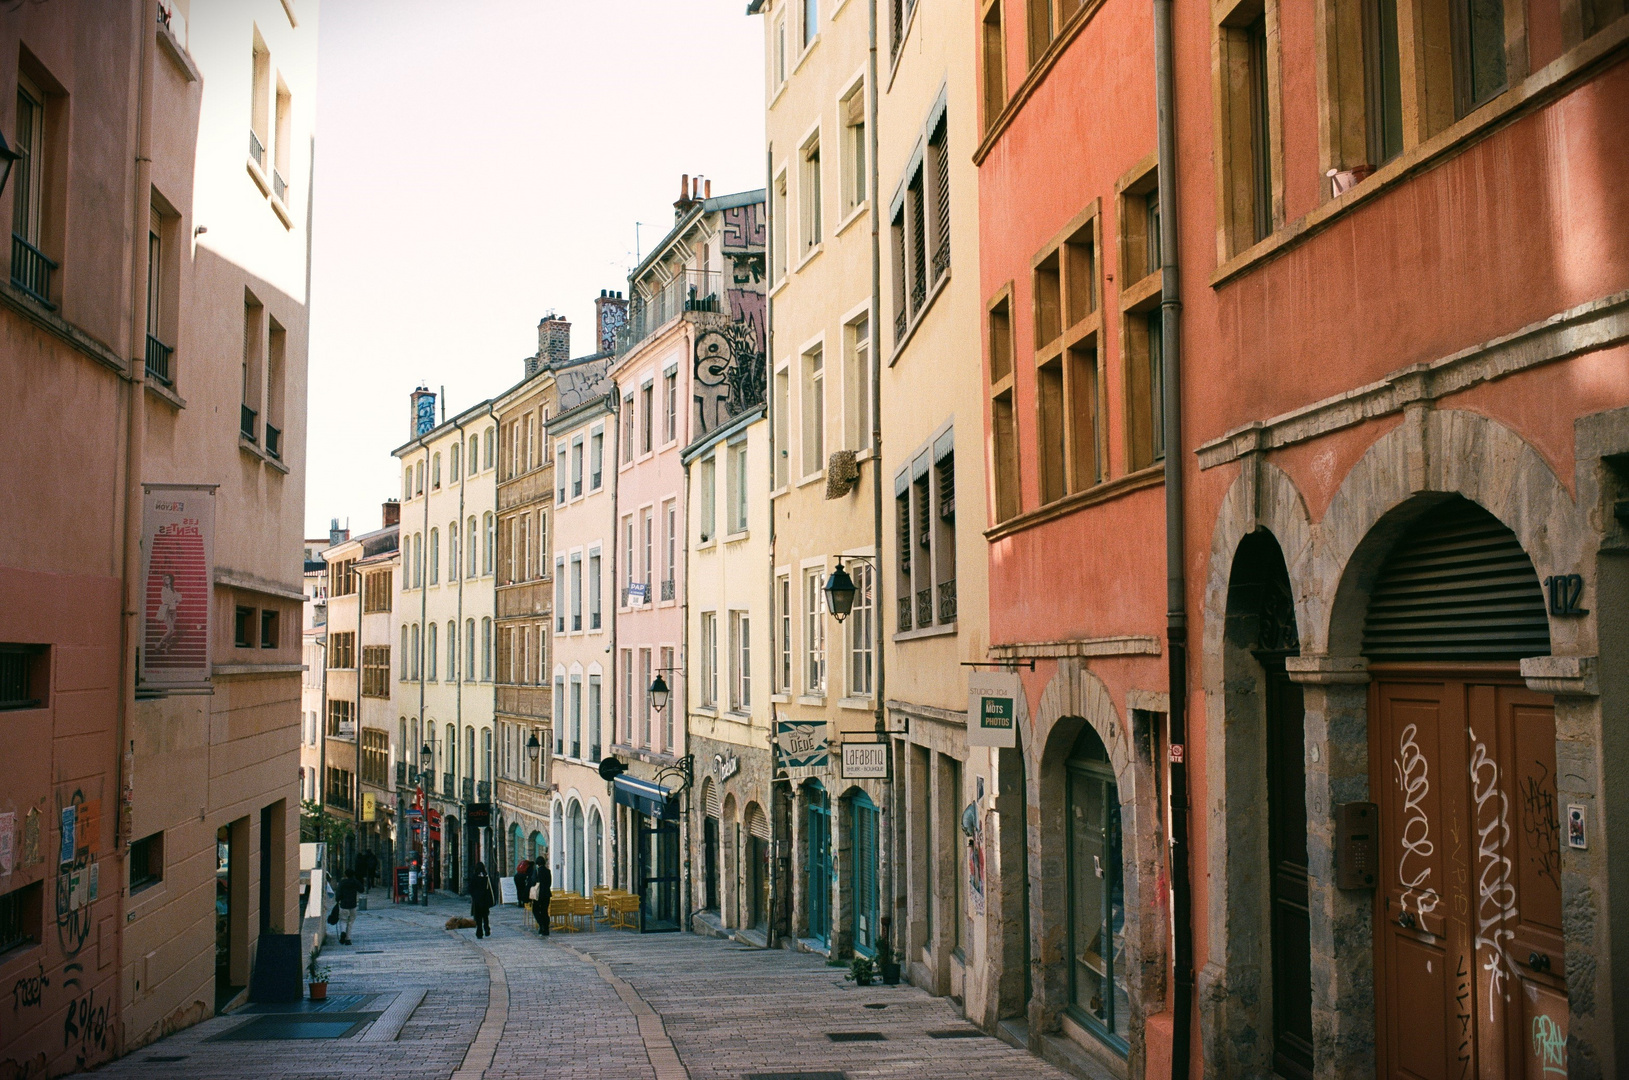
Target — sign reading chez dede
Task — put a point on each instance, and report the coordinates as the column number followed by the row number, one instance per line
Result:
column 992, row 708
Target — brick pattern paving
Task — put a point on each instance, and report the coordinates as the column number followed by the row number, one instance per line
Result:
column 605, row 1005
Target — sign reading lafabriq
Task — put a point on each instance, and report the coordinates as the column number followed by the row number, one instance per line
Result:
column 800, row 748
column 177, row 575
column 992, row 708
column 865, row 761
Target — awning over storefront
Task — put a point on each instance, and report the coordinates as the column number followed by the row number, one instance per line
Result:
column 645, row 797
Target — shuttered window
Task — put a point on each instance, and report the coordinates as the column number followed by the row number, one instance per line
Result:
column 1457, row 587
column 939, row 160
column 757, row 822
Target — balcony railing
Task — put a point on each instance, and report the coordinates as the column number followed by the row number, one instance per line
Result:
column 31, row 270
column 668, row 589
column 256, row 150
column 901, row 320
column 246, row 423
column 274, row 441
column 905, row 621
column 469, row 790
column 483, row 791
column 693, row 290
column 401, row 774
column 947, row 601
column 924, row 607
column 158, row 361
column 941, row 257
column 577, row 622
column 279, row 186
column 448, row 788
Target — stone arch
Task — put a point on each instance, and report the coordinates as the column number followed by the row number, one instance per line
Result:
column 1073, row 699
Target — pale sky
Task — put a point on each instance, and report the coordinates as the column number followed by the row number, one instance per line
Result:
column 479, row 164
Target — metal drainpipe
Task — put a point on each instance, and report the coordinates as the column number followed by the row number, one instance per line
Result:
column 877, row 607
column 774, row 449
column 356, row 656
column 613, row 403
column 675, row 701
column 1176, row 619
column 424, row 640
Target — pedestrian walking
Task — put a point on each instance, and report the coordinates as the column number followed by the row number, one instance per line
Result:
column 348, row 892
column 480, row 901
column 542, row 890
column 523, row 883
column 370, row 869
column 413, row 880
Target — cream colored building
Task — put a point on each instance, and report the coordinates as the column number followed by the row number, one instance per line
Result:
column 934, row 553
column 443, row 619
column 826, row 674
column 313, row 640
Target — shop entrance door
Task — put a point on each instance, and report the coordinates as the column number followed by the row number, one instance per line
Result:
column 1470, row 972
column 658, row 873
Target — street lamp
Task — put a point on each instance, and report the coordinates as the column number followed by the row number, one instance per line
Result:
column 8, row 158
column 426, row 759
column 533, row 748
column 659, row 692
column 840, row 591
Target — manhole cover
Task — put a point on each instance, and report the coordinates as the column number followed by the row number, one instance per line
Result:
column 856, row 1036
column 297, row 1026
column 957, row 1033
column 796, row 1076
column 369, row 952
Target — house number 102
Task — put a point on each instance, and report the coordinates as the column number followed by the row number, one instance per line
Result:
column 1565, row 591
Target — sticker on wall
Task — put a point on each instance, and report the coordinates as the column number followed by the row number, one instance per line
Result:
column 8, row 825
column 1575, row 827
column 992, row 708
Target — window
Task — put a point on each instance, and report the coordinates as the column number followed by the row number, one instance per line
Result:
column 342, row 578
column 452, row 551
column 377, row 592
column 778, row 238
column 861, row 632
column 560, row 721
column 576, row 592
column 814, row 411
column 486, row 651
column 30, row 268
column 474, row 454
column 857, row 384
column 341, row 718
column 259, row 102
column 576, row 467
column 938, row 195
column 342, row 650
column 435, row 472
column 489, row 447
column 709, row 658
column 491, row 539
column 561, row 480
column 783, row 426
column 627, row 558
column 576, row 744
column 419, row 473
column 418, row 651
column 404, row 653
column 435, row 554
column 254, row 374
column 375, row 757
column 528, row 460
column 647, row 408
column 1245, row 104
column 593, row 718
column 644, row 697
column 670, row 405
column 146, row 861
column 856, row 177
column 627, row 429
column 21, row 912
column 994, row 42
column 809, row 194
column 811, row 21
column 814, row 632
column 472, row 545
column 159, row 305
column 431, row 652
column 594, row 589
column 925, row 524
column 1047, row 18
column 708, row 517
column 454, row 458
column 452, row 650
column 779, row 58
column 269, row 638
column 376, row 671
column 1069, row 406
column 1140, row 259
column 783, row 601
column 596, row 460
column 670, row 518
column 736, row 487
column 469, row 648
column 740, row 661
column 627, row 697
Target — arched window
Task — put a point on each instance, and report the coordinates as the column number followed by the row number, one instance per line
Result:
column 491, row 538
column 418, row 471
column 452, row 651
column 418, row 560
column 407, row 481
column 430, row 654
column 435, row 472
column 557, row 846
column 469, row 648
column 474, row 547
column 486, row 754
column 435, row 555
column 474, row 454
column 486, row 650
column 450, row 750
column 595, row 850
column 415, row 650
column 490, row 440
column 452, row 551
column 455, row 453
column 404, row 653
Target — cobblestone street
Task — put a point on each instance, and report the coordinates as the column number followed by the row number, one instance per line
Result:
column 602, row 1005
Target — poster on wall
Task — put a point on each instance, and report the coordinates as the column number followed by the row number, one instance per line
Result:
column 800, row 748
column 992, row 708
column 177, row 574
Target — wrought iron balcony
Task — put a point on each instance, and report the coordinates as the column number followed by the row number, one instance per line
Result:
column 279, row 186
column 483, row 791
column 257, row 152
column 667, row 589
column 941, row 257
column 274, row 441
column 31, row 270
column 901, row 320
column 401, row 774
column 947, row 601
column 246, row 423
column 905, row 622
column 469, row 790
column 577, row 621
column 924, row 608
column 693, row 290
column 448, row 788
column 158, row 361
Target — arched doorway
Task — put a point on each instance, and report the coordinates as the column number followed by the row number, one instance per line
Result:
column 757, row 867
column 1469, row 958
column 576, row 873
column 817, row 864
column 449, row 832
column 595, row 850
column 1098, row 968
column 516, row 852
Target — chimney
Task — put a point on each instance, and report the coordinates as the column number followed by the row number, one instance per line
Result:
column 689, row 195
column 422, row 414
column 337, row 535
column 553, row 343
column 610, row 313
column 392, row 513
column 707, row 192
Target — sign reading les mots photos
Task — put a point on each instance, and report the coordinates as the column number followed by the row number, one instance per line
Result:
column 992, row 708
column 865, row 761
column 177, row 576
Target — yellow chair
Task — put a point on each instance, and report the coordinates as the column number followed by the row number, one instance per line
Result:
column 626, row 908
column 582, row 908
column 560, row 914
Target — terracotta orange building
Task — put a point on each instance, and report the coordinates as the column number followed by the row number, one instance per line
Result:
column 1348, row 315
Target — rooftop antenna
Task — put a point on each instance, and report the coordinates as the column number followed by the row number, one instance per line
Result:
column 637, row 257
column 443, row 403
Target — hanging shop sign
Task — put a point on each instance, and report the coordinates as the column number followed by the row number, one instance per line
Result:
column 865, row 761
column 992, row 708
column 800, row 748
column 370, row 806
column 177, row 575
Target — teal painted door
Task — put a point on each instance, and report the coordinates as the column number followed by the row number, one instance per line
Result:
column 818, row 876
column 865, row 876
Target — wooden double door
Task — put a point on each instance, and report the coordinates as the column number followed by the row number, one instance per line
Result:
column 1470, row 972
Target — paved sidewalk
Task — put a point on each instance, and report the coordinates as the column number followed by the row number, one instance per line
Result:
column 605, row 1005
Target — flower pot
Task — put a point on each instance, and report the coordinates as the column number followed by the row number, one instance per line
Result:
column 890, row 973
column 319, row 991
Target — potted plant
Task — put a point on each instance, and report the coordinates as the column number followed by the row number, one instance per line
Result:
column 860, row 971
column 887, row 966
column 317, row 975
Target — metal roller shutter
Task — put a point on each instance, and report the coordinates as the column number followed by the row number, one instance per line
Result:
column 1457, row 587
column 757, row 822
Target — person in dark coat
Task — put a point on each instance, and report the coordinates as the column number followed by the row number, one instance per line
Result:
column 348, row 890
column 542, row 884
column 480, row 901
column 370, row 870
column 523, row 883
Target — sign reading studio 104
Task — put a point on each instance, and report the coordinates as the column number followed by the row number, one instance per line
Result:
column 177, row 575
column 992, row 708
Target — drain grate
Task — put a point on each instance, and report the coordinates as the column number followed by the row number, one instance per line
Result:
column 856, row 1036
column 297, row 1026
column 957, row 1033
column 334, row 1003
column 796, row 1076
column 369, row 952
column 876, row 1005
column 166, row 1057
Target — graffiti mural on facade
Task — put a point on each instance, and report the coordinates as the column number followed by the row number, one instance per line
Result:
column 744, row 228
column 86, row 1025
column 29, row 991
column 580, row 383
column 729, row 373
